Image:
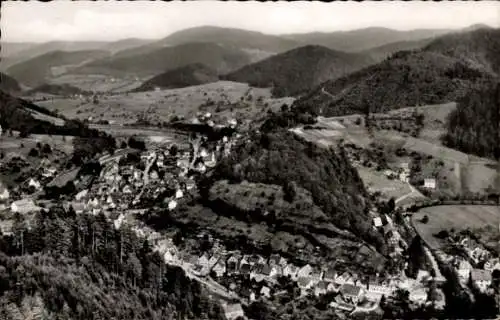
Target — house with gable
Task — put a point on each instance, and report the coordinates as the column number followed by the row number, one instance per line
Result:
column 351, row 293
column 480, row 279
column 219, row 268
column 305, row 271
column 330, row 275
column 290, row 270
column 321, row 288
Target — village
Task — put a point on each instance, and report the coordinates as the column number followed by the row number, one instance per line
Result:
column 164, row 175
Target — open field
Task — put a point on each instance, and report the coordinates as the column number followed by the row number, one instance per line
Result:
column 458, row 217
column 223, row 99
column 22, row 146
column 376, row 181
column 99, row 83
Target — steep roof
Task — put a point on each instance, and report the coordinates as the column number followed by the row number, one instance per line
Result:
column 350, row 290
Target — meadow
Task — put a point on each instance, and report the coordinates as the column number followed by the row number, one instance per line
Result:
column 458, row 217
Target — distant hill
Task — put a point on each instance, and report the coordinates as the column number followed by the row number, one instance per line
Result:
column 11, row 48
column 124, row 44
column 445, row 70
column 37, row 70
column 380, row 53
column 479, row 48
column 38, row 49
column 190, row 75
column 57, row 89
column 237, row 38
column 363, row 39
column 221, row 59
column 299, row 69
column 9, row 84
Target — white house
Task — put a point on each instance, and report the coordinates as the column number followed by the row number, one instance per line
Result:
column 219, row 268
column 79, row 207
column 179, row 194
column 305, row 271
column 35, row 184
column 23, row 206
column 291, row 271
column 375, row 291
column 430, row 183
column 481, row 279
column 266, row 292
column 172, row 204
column 463, row 269
column 4, row 193
column 418, row 295
column 351, row 293
column 404, row 177
column 118, row 221
column 233, row 311
column 377, row 222
column 81, row 195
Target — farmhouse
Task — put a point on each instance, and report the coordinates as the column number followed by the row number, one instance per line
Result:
column 351, row 293
column 430, row 183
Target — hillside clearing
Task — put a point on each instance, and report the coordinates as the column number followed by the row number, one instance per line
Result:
column 458, row 217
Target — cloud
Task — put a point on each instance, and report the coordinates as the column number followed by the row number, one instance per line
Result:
column 112, row 20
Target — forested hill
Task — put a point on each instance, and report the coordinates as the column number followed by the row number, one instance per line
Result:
column 9, row 84
column 478, row 48
column 189, row 75
column 300, row 69
column 281, row 158
column 474, row 126
column 443, row 71
column 79, row 267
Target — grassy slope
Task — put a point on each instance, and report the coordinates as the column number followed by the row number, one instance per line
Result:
column 37, row 70
column 163, row 59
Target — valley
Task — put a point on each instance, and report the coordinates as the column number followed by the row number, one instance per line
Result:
column 221, row 173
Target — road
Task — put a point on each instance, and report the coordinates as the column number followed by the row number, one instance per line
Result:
column 413, row 192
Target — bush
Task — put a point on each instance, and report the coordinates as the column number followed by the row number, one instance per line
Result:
column 425, row 219
column 33, row 153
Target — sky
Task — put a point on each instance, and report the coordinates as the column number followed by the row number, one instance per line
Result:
column 34, row 21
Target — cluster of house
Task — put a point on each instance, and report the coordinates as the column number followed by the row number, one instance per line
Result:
column 468, row 269
column 385, row 225
column 208, row 119
column 402, row 173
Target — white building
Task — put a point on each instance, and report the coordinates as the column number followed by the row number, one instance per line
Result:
column 305, row 271
column 377, row 222
column 481, row 279
column 179, row 194
column 4, row 193
column 418, row 295
column 35, row 184
column 463, row 269
column 430, row 183
column 172, row 204
column 23, row 206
